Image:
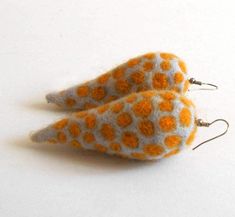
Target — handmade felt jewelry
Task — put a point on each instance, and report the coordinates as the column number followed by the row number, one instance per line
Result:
column 145, row 126
column 139, row 111
column 159, row 71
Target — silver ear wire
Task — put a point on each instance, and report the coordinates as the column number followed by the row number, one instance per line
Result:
column 194, row 81
column 201, row 123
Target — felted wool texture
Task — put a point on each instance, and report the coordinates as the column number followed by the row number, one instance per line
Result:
column 145, row 126
column 159, row 71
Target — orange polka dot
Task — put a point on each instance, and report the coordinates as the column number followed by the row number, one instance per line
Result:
column 98, row 93
column 115, row 147
column 133, row 62
column 103, row 79
column 130, row 140
column 167, row 123
column 153, row 150
column 148, row 66
column 81, row 114
column 167, row 56
column 182, row 66
column 132, row 98
column 108, row 132
column 118, row 72
column 186, row 101
column 89, row 105
column 186, row 86
column 61, row 137
column 70, row 102
column 146, row 127
column 160, row 81
column 61, row 124
column 185, row 117
column 148, row 94
column 150, row 56
column 138, row 156
column 117, row 107
column 102, row 109
column 173, row 141
column 124, row 119
column 137, row 77
column 74, row 129
column 168, row 95
column 143, row 108
column 178, row 77
column 100, row 148
column 171, row 153
column 165, row 65
column 191, row 136
column 76, row 144
column 90, row 121
column 83, row 91
column 122, row 86
column 89, row 137
column 166, row 106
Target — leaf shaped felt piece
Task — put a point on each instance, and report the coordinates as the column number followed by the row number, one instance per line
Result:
column 145, row 126
column 159, row 71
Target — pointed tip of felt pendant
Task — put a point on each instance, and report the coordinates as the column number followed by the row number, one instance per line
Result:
column 52, row 97
column 43, row 135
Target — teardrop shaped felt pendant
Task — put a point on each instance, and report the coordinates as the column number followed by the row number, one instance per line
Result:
column 145, row 126
column 151, row 71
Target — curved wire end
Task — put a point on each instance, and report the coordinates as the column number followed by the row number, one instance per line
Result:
column 194, row 81
column 201, row 123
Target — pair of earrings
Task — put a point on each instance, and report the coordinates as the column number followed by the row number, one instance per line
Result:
column 138, row 110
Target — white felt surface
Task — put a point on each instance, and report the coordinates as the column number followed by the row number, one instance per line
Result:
column 49, row 45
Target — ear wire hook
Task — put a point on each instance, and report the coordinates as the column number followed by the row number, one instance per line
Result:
column 201, row 123
column 194, row 81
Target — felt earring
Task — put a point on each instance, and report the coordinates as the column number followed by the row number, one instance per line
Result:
column 145, row 126
column 158, row 71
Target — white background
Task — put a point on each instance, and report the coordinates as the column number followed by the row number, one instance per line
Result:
column 51, row 44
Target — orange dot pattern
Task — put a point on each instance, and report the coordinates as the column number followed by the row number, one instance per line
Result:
column 98, row 93
column 74, row 129
column 103, row 79
column 143, row 108
column 89, row 138
column 122, row 86
column 153, row 149
column 130, row 140
column 185, row 117
column 83, row 91
column 173, row 141
column 107, row 132
column 146, row 127
column 137, row 77
column 160, row 81
column 124, row 119
column 60, row 124
column 143, row 126
column 115, row 147
column 160, row 71
column 166, row 106
column 90, row 121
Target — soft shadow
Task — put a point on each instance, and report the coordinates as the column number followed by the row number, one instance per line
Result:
column 87, row 161
column 43, row 106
